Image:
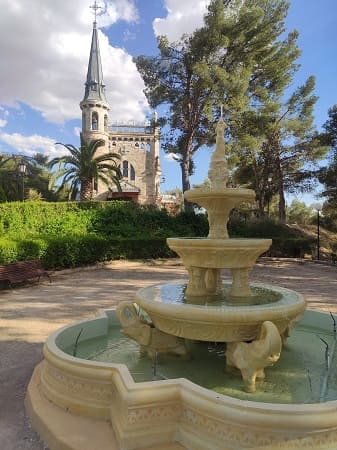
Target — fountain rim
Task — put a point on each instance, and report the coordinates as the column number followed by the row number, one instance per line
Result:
column 75, row 365
column 248, row 310
column 224, row 242
column 223, row 192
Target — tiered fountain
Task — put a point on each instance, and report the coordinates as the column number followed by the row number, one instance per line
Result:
column 93, row 377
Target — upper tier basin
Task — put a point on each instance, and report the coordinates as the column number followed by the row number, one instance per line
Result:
column 219, row 203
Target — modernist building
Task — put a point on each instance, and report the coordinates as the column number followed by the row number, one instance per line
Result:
column 137, row 144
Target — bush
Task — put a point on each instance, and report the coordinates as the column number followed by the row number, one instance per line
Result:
column 74, row 251
column 264, row 227
column 8, row 251
column 292, row 247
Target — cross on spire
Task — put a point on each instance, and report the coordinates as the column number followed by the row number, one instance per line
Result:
column 95, row 7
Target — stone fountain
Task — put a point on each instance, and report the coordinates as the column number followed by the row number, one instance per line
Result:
column 211, row 310
column 100, row 388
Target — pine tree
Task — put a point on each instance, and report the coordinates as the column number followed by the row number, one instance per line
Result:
column 237, row 59
column 328, row 175
column 279, row 147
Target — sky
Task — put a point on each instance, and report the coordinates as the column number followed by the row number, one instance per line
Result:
column 44, row 48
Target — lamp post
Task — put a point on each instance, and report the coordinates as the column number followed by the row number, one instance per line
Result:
column 318, row 224
column 22, row 171
column 269, row 180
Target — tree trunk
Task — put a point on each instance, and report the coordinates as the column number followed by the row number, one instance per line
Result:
column 282, row 201
column 86, row 189
column 186, row 170
column 185, row 181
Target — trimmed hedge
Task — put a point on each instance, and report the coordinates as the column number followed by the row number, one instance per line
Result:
column 73, row 251
column 73, row 234
column 292, row 247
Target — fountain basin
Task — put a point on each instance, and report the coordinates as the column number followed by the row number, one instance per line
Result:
column 214, row 322
column 89, row 395
column 204, row 258
column 219, row 253
column 219, row 203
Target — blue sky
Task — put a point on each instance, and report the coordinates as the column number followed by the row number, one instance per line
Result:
column 45, row 46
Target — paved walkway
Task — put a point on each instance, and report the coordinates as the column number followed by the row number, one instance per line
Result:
column 29, row 314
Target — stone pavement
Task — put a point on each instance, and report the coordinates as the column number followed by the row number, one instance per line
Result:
column 28, row 314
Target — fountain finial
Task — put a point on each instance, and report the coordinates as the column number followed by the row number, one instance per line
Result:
column 218, row 170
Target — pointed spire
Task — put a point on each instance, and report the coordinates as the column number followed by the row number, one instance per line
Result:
column 94, row 86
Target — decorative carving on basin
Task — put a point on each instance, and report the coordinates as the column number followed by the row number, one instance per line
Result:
column 214, row 323
column 203, row 258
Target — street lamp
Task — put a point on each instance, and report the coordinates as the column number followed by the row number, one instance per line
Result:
column 269, row 180
column 318, row 230
column 22, row 171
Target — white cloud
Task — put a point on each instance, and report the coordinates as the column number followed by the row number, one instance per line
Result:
column 3, row 123
column 77, row 131
column 184, row 16
column 171, row 157
column 44, row 47
column 30, row 145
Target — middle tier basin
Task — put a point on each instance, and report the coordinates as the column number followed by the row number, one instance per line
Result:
column 219, row 253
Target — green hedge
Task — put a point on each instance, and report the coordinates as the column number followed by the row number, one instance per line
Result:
column 292, row 247
column 31, row 219
column 72, row 234
column 73, row 251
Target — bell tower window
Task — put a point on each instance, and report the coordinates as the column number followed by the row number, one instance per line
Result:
column 94, row 121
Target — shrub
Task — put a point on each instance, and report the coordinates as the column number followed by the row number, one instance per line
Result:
column 8, row 251
column 292, row 247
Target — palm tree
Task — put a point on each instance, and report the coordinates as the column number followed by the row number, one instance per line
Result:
column 83, row 167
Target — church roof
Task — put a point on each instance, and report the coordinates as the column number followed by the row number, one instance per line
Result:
column 94, row 86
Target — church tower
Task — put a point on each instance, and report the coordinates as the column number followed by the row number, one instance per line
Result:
column 137, row 144
column 94, row 105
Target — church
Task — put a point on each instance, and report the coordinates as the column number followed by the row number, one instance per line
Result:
column 137, row 144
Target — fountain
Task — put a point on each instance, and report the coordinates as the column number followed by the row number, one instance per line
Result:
column 187, row 367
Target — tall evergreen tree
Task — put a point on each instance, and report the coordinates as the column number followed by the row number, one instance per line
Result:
column 328, row 174
column 279, row 147
column 238, row 58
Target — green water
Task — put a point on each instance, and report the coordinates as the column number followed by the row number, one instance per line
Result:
column 174, row 293
column 296, row 378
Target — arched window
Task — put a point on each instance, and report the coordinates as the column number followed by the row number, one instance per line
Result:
column 106, row 122
column 84, row 118
column 128, row 171
column 132, row 173
column 94, row 121
column 125, row 169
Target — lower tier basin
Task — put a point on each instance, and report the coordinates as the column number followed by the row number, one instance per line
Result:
column 175, row 404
